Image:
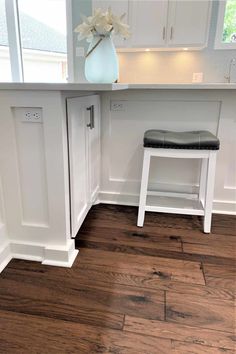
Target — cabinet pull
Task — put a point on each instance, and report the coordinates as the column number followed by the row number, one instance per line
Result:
column 171, row 32
column 164, row 33
column 91, row 123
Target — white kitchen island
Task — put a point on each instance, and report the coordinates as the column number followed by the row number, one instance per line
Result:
column 54, row 169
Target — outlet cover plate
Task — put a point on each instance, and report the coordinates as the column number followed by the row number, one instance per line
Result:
column 32, row 115
column 117, row 105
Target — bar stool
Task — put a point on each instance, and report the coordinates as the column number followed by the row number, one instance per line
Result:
column 185, row 145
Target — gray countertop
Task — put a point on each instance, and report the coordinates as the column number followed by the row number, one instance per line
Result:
column 114, row 87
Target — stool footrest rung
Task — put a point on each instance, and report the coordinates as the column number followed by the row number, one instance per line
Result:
column 174, row 210
column 177, row 205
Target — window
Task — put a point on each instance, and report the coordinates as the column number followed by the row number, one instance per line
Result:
column 5, row 65
column 226, row 25
column 42, row 49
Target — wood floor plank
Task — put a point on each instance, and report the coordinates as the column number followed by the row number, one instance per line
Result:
column 61, row 311
column 183, row 333
column 224, row 224
column 185, row 271
column 222, row 283
column 185, row 348
column 221, row 277
column 192, row 311
column 130, row 238
column 225, row 271
column 155, row 252
column 31, row 334
column 103, row 277
column 213, row 248
column 99, row 276
column 76, row 299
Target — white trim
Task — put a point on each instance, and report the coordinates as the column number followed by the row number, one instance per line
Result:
column 108, row 197
column 70, row 46
column 5, row 255
column 52, row 255
column 60, row 256
column 13, row 29
column 219, row 29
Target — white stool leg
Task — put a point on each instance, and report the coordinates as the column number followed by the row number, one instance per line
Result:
column 202, row 183
column 209, row 191
column 143, row 190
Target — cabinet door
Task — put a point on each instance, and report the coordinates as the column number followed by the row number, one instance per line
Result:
column 79, row 192
column 118, row 7
column 93, row 107
column 148, row 20
column 84, row 156
column 188, row 23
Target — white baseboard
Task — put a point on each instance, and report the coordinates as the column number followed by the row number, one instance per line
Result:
column 219, row 207
column 60, row 256
column 5, row 255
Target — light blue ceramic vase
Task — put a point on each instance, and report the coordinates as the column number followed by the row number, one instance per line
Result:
column 101, row 65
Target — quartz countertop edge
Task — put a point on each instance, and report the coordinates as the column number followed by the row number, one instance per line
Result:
column 184, row 86
column 114, row 87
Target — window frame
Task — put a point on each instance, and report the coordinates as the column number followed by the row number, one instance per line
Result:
column 219, row 28
column 14, row 41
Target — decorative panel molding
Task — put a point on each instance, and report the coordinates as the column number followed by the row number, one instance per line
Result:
column 32, row 169
column 134, row 118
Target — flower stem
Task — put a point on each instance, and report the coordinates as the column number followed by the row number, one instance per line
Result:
column 98, row 42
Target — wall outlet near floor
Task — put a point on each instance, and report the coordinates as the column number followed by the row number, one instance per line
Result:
column 33, row 115
column 117, row 106
column 197, row 77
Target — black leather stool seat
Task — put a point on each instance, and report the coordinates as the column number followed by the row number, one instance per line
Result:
column 196, row 140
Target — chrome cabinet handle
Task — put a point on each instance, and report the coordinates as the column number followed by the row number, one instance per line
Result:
column 171, row 32
column 91, row 123
column 164, row 33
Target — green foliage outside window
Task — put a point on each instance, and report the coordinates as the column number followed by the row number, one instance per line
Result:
column 229, row 32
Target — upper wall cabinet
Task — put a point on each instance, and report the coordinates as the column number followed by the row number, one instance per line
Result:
column 165, row 24
column 188, row 23
column 148, row 20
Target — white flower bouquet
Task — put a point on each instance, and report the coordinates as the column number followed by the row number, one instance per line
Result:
column 102, row 24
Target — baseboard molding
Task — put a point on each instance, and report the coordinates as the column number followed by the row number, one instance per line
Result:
column 60, row 256
column 5, row 255
column 224, row 207
column 219, row 207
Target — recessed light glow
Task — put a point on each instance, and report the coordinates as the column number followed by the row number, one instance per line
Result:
column 147, row 50
column 185, row 48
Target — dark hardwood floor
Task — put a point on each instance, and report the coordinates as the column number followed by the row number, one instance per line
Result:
column 166, row 288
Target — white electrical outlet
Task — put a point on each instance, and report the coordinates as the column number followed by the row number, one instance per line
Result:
column 33, row 115
column 197, row 77
column 117, row 105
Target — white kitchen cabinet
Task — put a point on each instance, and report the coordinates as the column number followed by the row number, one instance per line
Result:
column 188, row 23
column 84, row 156
column 118, row 7
column 148, row 21
column 165, row 24
column 169, row 24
